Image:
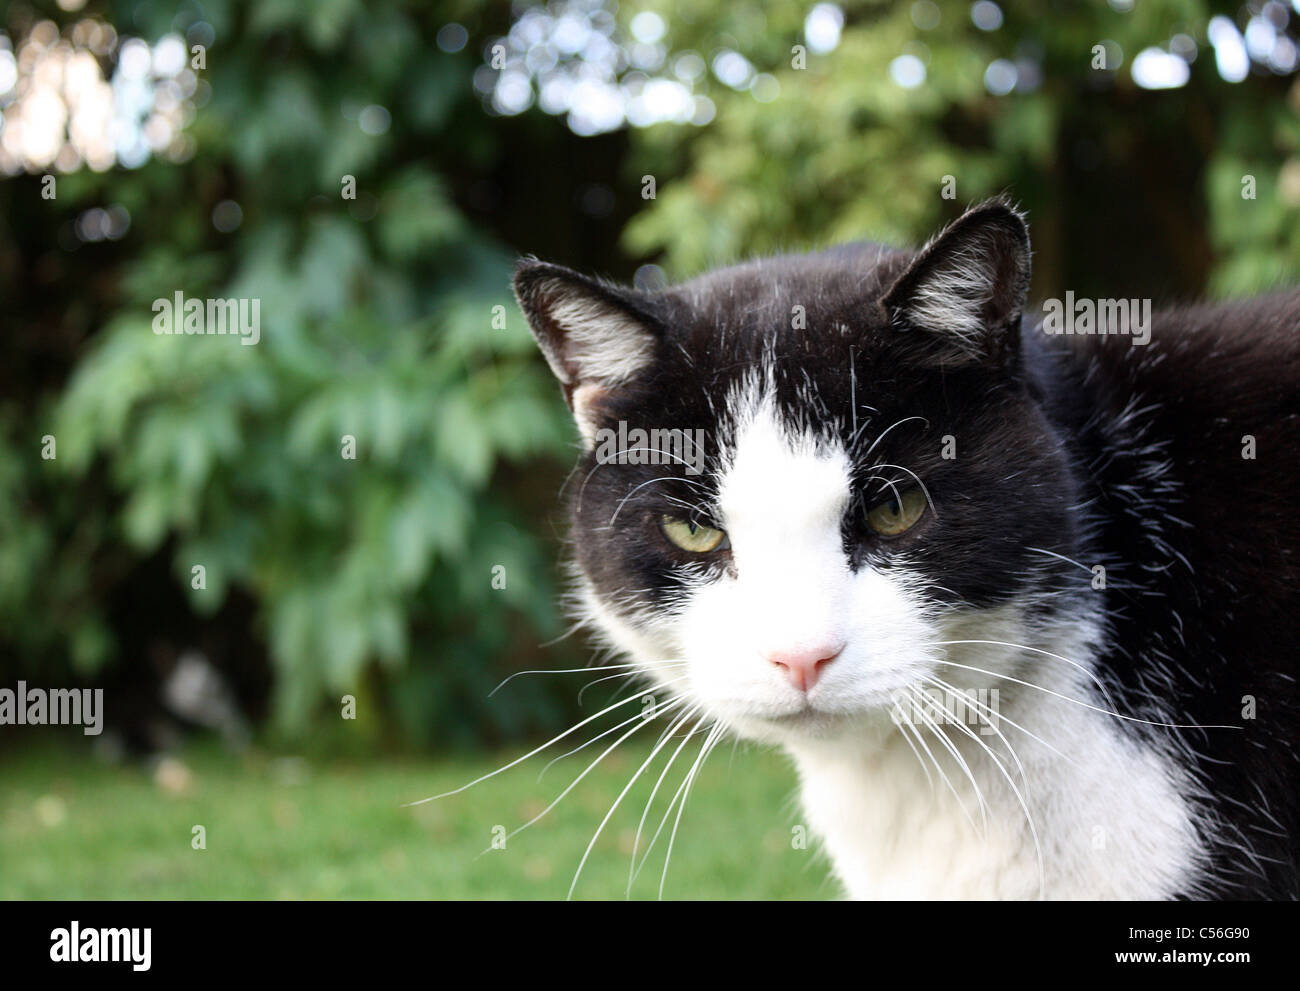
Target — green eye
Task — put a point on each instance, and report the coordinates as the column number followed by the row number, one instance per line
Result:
column 690, row 537
column 898, row 513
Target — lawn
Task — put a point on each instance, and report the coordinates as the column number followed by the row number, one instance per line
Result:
column 72, row 826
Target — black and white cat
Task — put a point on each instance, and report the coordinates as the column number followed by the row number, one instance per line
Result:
column 909, row 497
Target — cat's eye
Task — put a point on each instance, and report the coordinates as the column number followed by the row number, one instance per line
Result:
column 898, row 513
column 690, row 536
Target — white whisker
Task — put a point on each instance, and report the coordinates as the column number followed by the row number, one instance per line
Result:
column 1105, row 712
column 1024, row 805
column 604, row 733
column 626, row 788
column 633, row 870
column 520, row 674
column 531, row 753
column 956, row 755
column 590, row 767
column 1037, row 650
column 714, row 735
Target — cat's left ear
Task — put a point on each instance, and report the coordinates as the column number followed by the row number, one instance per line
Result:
column 966, row 289
column 595, row 336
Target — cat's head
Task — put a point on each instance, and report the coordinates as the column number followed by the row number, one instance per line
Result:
column 849, row 470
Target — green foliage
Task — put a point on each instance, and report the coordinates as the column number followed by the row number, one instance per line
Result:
column 377, row 324
column 46, row 540
column 839, row 154
column 379, row 314
column 844, row 152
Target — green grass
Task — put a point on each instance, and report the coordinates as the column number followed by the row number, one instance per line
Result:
column 75, row 827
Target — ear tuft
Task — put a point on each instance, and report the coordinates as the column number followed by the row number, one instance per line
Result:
column 588, row 331
column 594, row 336
column 968, row 285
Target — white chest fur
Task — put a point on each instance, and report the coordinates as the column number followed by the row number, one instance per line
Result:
column 1109, row 816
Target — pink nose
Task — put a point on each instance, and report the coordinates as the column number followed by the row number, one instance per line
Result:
column 803, row 668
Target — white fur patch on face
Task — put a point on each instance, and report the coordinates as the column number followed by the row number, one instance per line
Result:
column 584, row 402
column 782, row 498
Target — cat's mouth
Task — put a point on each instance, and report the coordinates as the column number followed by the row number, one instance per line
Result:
column 816, row 714
column 803, row 712
column 803, row 719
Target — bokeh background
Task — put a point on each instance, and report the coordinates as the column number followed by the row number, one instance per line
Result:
column 369, row 170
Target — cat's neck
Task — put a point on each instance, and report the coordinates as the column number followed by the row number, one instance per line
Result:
column 931, row 810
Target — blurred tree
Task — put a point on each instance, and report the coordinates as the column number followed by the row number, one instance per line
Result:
column 1143, row 175
column 1156, row 146
column 386, row 326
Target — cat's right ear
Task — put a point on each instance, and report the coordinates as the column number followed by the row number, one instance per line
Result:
column 594, row 336
column 965, row 291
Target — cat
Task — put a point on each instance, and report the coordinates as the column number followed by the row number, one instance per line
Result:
column 1020, row 606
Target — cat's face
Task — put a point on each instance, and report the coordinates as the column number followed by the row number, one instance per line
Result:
column 849, row 472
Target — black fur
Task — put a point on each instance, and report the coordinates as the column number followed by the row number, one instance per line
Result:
column 1201, row 547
